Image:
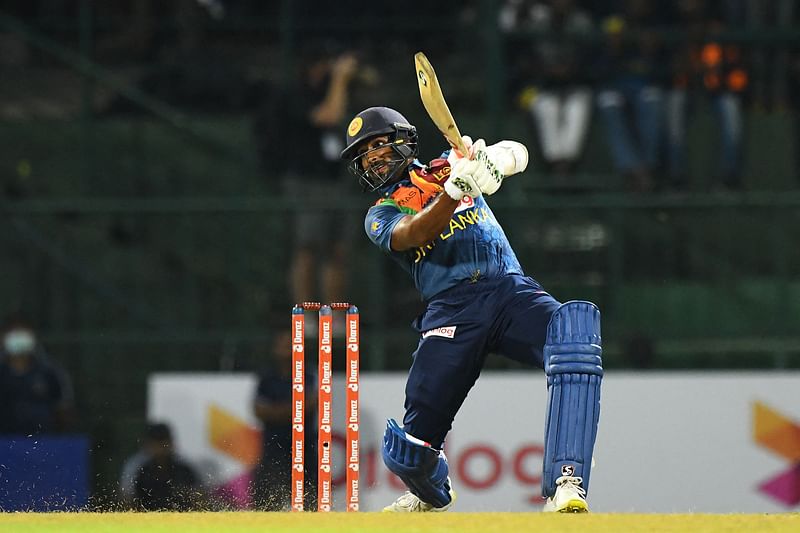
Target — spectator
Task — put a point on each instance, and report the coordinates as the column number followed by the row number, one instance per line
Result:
column 273, row 406
column 130, row 470
column 298, row 137
column 163, row 481
column 551, row 79
column 689, row 14
column 35, row 392
column 630, row 99
column 715, row 70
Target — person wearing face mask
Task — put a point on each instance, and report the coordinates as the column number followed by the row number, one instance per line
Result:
column 35, row 393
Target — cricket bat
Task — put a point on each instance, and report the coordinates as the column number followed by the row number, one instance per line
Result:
column 432, row 98
column 511, row 156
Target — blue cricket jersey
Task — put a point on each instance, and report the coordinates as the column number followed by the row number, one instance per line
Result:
column 472, row 247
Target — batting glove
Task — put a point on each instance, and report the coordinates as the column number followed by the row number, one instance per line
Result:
column 462, row 180
column 488, row 175
column 511, row 157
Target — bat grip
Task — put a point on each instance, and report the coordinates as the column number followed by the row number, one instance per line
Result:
column 458, row 144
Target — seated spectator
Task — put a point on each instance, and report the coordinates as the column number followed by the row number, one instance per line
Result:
column 35, row 392
column 551, row 77
column 164, row 481
column 273, row 406
column 713, row 70
column 632, row 71
column 130, row 469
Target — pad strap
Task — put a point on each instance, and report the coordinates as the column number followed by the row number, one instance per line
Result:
column 574, row 369
column 422, row 468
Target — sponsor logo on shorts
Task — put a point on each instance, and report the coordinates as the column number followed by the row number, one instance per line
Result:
column 445, row 331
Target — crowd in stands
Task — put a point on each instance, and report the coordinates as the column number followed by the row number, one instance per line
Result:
column 643, row 69
column 639, row 69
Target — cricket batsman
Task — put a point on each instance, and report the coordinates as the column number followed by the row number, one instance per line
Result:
column 434, row 220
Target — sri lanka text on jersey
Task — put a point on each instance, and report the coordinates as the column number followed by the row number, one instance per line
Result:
column 460, row 222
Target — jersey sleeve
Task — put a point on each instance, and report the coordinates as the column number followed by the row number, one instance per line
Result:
column 380, row 222
column 425, row 182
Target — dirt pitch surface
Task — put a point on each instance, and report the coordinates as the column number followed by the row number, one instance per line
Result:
column 372, row 522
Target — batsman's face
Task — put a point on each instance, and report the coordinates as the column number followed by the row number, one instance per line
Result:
column 376, row 154
column 381, row 161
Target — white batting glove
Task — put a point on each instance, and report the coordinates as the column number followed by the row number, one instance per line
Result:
column 488, row 175
column 480, row 167
column 511, row 157
column 499, row 161
column 462, row 181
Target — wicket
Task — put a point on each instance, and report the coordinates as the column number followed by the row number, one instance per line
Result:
column 325, row 395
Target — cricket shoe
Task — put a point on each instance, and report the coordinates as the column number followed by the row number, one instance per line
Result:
column 570, row 497
column 410, row 503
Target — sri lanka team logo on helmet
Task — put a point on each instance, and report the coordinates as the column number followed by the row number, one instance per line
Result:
column 384, row 164
column 355, row 126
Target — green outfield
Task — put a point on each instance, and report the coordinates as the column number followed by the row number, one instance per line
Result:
column 343, row 522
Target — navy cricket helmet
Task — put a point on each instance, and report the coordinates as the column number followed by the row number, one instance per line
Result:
column 385, row 169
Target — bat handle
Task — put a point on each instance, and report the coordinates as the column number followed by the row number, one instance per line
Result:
column 460, row 147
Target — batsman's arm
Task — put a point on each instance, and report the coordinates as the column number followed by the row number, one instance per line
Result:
column 418, row 230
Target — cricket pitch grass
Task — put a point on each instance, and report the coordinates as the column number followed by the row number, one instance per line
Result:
column 376, row 522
